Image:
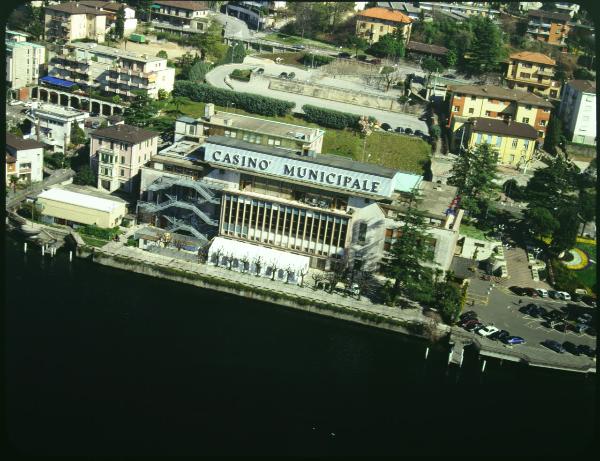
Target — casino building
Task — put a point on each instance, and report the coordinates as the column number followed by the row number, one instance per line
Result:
column 318, row 206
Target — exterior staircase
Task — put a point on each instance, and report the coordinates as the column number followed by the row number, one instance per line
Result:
column 201, row 188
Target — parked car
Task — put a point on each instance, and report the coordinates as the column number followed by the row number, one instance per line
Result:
column 399, row 129
column 419, row 133
column 408, row 131
column 473, row 325
column 586, row 350
column 553, row 294
column 556, row 315
column 291, row 75
column 517, row 290
column 564, row 296
column 283, row 75
column 576, row 297
column 486, row 331
column 260, row 71
column 468, row 315
column 15, row 102
column 584, row 318
column 298, row 47
column 513, row 340
column 95, row 124
column 591, row 331
column 589, row 300
column 553, row 345
column 385, row 126
column 500, row 335
column 570, row 348
column 542, row 311
column 531, row 292
column 469, row 321
column 542, row 292
column 344, row 55
column 580, row 328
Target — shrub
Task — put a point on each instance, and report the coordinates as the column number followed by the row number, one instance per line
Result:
column 255, row 104
column 99, row 232
column 241, row 74
column 330, row 118
column 316, row 59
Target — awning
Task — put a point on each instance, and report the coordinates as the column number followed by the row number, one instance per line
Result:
column 57, row 81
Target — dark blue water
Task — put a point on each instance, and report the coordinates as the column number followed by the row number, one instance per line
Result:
column 104, row 362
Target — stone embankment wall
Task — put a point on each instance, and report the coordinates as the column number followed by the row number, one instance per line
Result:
column 223, row 284
column 336, row 94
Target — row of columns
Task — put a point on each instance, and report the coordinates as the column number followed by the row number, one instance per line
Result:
column 112, row 108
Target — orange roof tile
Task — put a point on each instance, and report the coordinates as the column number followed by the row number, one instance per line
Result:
column 533, row 57
column 384, row 13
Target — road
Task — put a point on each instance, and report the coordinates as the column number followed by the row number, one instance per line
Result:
column 56, row 177
column 258, row 85
column 234, row 27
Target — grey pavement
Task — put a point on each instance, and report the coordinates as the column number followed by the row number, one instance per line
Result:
column 518, row 270
column 216, row 77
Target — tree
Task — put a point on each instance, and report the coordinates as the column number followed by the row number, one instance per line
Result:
column 431, row 65
column 120, row 23
column 451, row 58
column 541, row 221
column 178, row 101
column 77, row 135
column 163, row 94
column 14, row 180
column 561, row 72
column 389, row 47
column 565, row 237
column 317, row 278
column 488, row 48
column 185, row 62
column 198, row 71
column 474, row 173
column 16, row 130
column 85, row 177
column 581, row 73
column 358, row 43
column 116, row 99
column 552, row 187
column 407, row 255
column 446, row 299
column 141, row 110
column 162, row 54
column 235, row 54
column 587, row 206
column 435, row 132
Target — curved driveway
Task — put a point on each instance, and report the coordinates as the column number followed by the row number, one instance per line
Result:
column 259, row 85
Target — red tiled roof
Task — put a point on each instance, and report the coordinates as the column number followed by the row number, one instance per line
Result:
column 530, row 56
column 386, row 14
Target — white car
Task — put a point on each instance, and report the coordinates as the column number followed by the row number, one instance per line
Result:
column 542, row 292
column 564, row 295
column 15, row 102
column 487, row 330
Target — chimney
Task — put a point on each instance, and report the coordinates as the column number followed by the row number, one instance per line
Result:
column 508, row 120
column 474, row 123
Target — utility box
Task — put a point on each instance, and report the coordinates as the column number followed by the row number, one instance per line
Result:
column 137, row 38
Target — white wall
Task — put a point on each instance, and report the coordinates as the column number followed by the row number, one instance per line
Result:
column 36, row 158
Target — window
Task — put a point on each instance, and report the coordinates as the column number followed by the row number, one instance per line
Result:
column 455, row 109
column 515, row 143
column 526, row 144
column 122, row 172
column 122, row 159
column 380, row 28
column 473, row 98
column 528, row 107
column 542, row 122
column 541, row 134
column 546, row 111
column 525, row 119
column 471, row 110
column 498, row 141
column 112, row 145
column 478, row 140
column 362, row 232
column 488, row 113
column 525, row 75
column 489, row 139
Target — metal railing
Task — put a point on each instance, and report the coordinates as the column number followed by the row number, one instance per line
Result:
column 178, row 224
column 202, row 189
column 175, row 202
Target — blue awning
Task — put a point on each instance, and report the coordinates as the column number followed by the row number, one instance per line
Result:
column 57, row 81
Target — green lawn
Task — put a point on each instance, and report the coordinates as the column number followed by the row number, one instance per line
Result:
column 93, row 241
column 472, row 231
column 587, row 276
column 400, row 152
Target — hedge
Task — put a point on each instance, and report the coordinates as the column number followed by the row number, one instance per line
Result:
column 99, row 232
column 241, row 74
column 255, row 104
column 330, row 118
column 316, row 59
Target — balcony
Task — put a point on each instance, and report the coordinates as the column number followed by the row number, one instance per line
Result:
column 172, row 15
column 538, row 31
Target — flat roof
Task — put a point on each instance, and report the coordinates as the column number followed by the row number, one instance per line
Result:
column 80, row 199
column 12, row 44
column 497, row 92
column 585, row 86
column 116, row 52
column 21, row 144
column 183, row 149
column 55, row 109
column 268, row 127
column 436, row 198
column 335, row 161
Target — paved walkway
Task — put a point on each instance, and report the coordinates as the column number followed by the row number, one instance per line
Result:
column 519, row 271
column 364, row 304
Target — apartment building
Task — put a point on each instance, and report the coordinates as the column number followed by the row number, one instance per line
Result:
column 24, row 159
column 24, row 61
column 191, row 15
column 578, row 111
column 548, row 27
column 374, row 23
column 14, row 36
column 469, row 101
column 533, row 72
column 252, row 129
column 116, row 154
column 65, row 22
column 51, row 124
column 111, row 70
column 406, row 8
column 567, row 8
column 111, row 8
column 464, row 9
column 515, row 142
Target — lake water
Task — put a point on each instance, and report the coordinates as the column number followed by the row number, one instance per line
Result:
column 103, row 362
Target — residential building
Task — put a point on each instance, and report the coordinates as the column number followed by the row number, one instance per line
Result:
column 52, row 124
column 252, row 129
column 406, row 8
column 24, row 159
column 533, row 72
column 182, row 15
column 79, row 207
column 568, row 8
column 468, row 101
column 374, row 23
column 526, row 6
column 515, row 142
column 111, row 70
column 462, row 9
column 578, row 111
column 70, row 21
column 116, row 154
column 320, row 207
column 111, row 9
column 548, row 27
column 14, row 36
column 24, row 61
column 425, row 49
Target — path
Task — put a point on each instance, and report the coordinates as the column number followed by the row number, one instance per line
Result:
column 56, row 177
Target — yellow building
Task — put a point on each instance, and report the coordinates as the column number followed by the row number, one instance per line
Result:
column 533, row 72
column 63, row 206
column 515, row 142
column 374, row 23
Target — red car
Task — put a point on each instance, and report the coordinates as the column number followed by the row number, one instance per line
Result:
column 531, row 292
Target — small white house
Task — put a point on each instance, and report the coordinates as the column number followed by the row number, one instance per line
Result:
column 24, row 159
column 54, row 123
